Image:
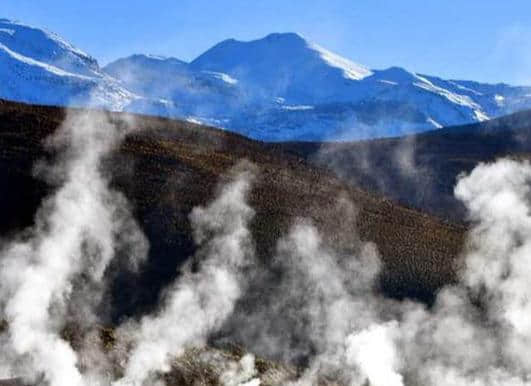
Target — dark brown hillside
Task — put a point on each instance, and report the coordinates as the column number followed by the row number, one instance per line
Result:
column 420, row 171
column 168, row 167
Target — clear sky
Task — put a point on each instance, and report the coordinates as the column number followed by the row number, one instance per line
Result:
column 483, row 40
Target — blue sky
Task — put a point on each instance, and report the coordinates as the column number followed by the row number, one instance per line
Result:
column 479, row 40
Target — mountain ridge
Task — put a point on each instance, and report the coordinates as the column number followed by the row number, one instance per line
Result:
column 281, row 87
column 181, row 159
column 421, row 170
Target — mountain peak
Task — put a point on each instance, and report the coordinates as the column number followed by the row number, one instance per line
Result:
column 272, row 37
column 276, row 57
column 395, row 74
column 275, row 40
column 45, row 46
column 153, row 59
column 284, row 36
column 138, row 71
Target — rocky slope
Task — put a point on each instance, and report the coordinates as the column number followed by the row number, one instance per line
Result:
column 421, row 170
column 168, row 167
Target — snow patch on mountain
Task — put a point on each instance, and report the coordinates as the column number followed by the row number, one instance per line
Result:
column 46, row 67
column 7, row 31
column 350, row 69
column 224, row 77
column 45, row 46
column 436, row 124
column 459, row 99
column 297, row 107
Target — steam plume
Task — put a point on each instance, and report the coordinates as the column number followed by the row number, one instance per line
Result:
column 200, row 300
column 476, row 333
column 72, row 242
column 324, row 312
column 241, row 374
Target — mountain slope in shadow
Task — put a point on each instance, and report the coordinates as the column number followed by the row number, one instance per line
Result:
column 167, row 167
column 420, row 171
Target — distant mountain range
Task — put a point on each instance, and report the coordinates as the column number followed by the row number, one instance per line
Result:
column 278, row 88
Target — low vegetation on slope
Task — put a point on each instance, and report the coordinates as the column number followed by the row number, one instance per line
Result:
column 166, row 167
column 420, row 171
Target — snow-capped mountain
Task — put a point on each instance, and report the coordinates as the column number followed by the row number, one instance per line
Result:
column 38, row 66
column 281, row 87
column 284, row 66
column 201, row 93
